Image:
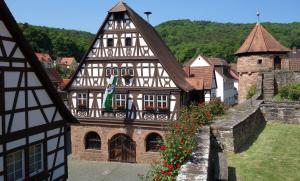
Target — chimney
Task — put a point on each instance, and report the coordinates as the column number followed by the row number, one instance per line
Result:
column 294, row 50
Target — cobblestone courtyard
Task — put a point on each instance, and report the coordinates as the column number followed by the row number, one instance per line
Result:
column 105, row 171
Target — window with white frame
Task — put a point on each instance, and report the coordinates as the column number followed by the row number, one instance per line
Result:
column 130, row 71
column 149, row 102
column 123, row 71
column 120, row 101
column 35, row 159
column 108, row 72
column 127, row 71
column 162, row 102
column 82, row 101
column 110, row 42
column 115, row 71
column 15, row 166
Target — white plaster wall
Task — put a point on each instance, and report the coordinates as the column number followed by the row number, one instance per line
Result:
column 15, row 144
column 207, row 97
column 229, row 93
column 200, row 62
column 236, row 85
column 220, row 88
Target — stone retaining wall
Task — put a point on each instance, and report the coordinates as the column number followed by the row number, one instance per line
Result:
column 198, row 168
column 283, row 78
column 285, row 112
column 239, row 126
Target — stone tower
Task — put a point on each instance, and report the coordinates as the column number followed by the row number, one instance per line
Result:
column 261, row 52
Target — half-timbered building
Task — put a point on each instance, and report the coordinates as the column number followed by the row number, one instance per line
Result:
column 150, row 89
column 33, row 129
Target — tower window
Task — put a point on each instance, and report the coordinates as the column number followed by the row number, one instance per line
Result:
column 259, row 61
column 110, row 42
column 128, row 42
column 119, row 16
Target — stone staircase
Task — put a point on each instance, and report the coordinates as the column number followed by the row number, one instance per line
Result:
column 268, row 85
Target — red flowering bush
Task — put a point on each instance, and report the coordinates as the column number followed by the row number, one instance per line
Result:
column 180, row 139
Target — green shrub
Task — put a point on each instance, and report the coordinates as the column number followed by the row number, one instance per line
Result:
column 290, row 92
column 251, row 92
column 294, row 94
column 284, row 92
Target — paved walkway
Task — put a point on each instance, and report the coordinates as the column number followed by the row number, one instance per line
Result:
column 105, row 171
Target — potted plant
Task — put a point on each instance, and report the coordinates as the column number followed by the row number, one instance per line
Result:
column 150, row 108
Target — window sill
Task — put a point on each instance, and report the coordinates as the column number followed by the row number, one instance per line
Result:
column 93, row 150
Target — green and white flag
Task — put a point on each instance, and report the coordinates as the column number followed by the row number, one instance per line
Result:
column 109, row 93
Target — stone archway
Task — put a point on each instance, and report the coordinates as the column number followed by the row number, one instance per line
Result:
column 122, row 148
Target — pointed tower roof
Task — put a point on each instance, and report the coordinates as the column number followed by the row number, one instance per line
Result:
column 157, row 45
column 12, row 28
column 261, row 41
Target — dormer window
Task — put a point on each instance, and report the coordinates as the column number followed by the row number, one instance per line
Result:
column 119, row 16
column 110, row 42
column 128, row 42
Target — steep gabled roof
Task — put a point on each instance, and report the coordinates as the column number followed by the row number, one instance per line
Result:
column 120, row 7
column 31, row 58
column 261, row 41
column 157, row 45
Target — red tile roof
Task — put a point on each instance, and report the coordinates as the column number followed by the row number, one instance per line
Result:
column 233, row 71
column 204, row 74
column 67, row 61
column 43, row 57
column 216, row 61
column 197, row 83
column 261, row 41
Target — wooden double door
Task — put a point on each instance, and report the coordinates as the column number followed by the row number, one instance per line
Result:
column 122, row 149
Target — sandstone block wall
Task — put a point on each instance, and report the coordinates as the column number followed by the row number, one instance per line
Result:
column 283, row 78
column 245, row 83
column 79, row 152
column 284, row 112
column 250, row 63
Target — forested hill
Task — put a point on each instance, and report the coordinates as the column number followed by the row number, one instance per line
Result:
column 188, row 38
column 57, row 42
column 185, row 38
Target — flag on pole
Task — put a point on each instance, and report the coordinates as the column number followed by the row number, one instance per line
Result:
column 109, row 93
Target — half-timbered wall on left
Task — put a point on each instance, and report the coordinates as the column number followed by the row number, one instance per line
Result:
column 32, row 130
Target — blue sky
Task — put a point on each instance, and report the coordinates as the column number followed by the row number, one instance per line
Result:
column 87, row 15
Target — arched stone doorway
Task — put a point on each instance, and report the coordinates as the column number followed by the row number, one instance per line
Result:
column 277, row 63
column 122, row 148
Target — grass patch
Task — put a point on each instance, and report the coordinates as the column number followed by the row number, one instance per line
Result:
column 275, row 155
